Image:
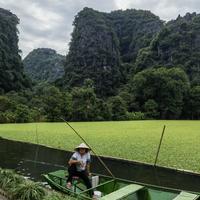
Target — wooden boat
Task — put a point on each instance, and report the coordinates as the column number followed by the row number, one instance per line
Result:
column 116, row 189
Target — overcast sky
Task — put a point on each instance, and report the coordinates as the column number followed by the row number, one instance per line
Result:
column 48, row 23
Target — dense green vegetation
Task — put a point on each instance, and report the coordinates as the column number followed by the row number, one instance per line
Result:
column 123, row 65
column 11, row 69
column 44, row 65
column 135, row 30
column 177, row 44
column 100, row 41
column 93, row 53
column 160, row 93
column 134, row 140
column 16, row 187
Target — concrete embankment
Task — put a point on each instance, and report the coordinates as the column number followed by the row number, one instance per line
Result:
column 32, row 160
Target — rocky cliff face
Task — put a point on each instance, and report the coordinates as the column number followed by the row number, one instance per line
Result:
column 178, row 44
column 135, row 30
column 44, row 65
column 93, row 53
column 11, row 68
column 102, row 41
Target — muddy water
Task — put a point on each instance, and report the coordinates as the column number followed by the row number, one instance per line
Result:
column 33, row 160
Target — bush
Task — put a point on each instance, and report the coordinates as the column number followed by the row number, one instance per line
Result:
column 22, row 114
column 29, row 191
column 17, row 188
column 9, row 180
column 7, row 117
column 135, row 116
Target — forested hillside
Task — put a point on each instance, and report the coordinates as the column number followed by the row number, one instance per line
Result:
column 44, row 65
column 101, row 42
column 123, row 65
column 11, row 69
column 178, row 44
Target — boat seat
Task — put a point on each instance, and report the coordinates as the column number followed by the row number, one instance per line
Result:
column 123, row 192
column 186, row 196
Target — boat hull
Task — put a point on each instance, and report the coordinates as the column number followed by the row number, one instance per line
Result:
column 113, row 189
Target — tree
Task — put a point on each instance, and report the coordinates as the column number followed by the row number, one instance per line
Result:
column 53, row 103
column 103, row 111
column 66, row 110
column 5, row 104
column 84, row 106
column 167, row 87
column 195, row 102
column 151, row 109
column 22, row 114
column 118, row 108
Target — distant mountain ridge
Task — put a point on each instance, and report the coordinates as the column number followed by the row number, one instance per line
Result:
column 44, row 64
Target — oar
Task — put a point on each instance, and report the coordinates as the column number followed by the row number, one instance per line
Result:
column 101, row 161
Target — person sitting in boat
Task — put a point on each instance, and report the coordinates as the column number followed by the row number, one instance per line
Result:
column 79, row 165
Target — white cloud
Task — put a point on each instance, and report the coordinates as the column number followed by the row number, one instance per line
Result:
column 165, row 9
column 48, row 23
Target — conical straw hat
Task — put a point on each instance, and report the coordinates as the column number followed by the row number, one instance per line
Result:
column 83, row 146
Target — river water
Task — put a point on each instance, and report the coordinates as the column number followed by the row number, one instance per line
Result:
column 32, row 160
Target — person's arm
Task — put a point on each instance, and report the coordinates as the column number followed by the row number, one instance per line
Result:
column 71, row 162
column 74, row 160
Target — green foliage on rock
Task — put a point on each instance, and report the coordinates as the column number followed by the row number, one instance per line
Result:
column 44, row 65
column 135, row 30
column 11, row 68
column 93, row 53
column 100, row 41
column 177, row 44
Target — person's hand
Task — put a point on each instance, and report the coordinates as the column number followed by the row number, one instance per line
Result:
column 88, row 174
column 80, row 162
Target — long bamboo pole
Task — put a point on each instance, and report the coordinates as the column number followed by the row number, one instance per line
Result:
column 100, row 160
column 158, row 151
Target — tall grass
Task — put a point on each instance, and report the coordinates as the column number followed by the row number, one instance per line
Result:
column 17, row 188
column 29, row 191
column 9, row 180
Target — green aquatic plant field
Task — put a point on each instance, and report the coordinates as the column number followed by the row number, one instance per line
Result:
column 134, row 140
